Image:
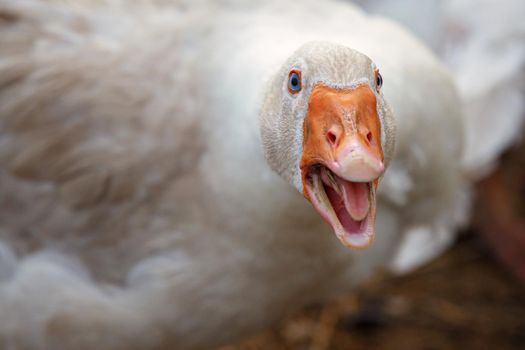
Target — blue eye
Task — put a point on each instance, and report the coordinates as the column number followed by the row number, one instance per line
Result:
column 294, row 81
column 379, row 80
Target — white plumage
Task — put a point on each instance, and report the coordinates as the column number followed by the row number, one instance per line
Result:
column 137, row 209
column 483, row 44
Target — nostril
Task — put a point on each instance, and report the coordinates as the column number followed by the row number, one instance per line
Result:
column 332, row 138
column 369, row 136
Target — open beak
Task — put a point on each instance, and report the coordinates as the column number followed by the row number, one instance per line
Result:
column 342, row 160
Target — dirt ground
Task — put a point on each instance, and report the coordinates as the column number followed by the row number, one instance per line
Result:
column 463, row 300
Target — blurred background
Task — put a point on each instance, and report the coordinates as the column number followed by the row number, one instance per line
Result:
column 473, row 296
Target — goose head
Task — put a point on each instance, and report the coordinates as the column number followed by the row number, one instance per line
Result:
column 328, row 131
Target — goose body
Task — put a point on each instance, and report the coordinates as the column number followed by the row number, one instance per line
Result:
column 139, row 208
column 483, row 45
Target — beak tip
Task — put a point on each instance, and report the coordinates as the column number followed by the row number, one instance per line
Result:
column 381, row 167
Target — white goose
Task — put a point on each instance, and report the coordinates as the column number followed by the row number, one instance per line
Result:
column 139, row 208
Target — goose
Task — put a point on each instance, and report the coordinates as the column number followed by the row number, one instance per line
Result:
column 178, row 174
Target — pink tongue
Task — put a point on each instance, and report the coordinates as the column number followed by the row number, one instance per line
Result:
column 355, row 196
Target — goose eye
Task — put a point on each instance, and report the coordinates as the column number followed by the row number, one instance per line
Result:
column 294, row 81
column 379, row 80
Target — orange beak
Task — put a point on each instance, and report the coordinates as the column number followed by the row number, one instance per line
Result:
column 342, row 160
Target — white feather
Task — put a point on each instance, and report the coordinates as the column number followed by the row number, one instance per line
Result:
column 483, row 44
